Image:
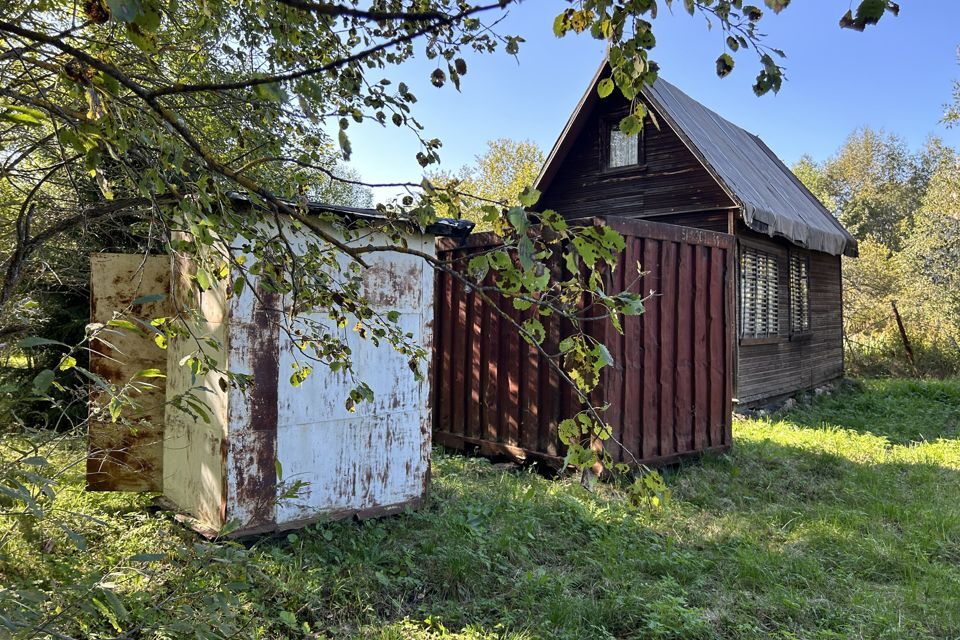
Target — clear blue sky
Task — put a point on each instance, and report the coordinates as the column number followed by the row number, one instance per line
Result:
column 896, row 76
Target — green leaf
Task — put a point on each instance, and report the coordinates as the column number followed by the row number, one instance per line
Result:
column 525, row 253
column 870, row 11
column 586, row 249
column 143, row 40
column 23, row 115
column 288, row 619
column 203, row 279
column 602, row 354
column 534, row 330
column 605, row 87
column 345, row 147
column 631, row 125
column 568, row 431
column 153, row 297
column 125, row 324
column 67, row 363
column 521, row 304
column 529, row 196
column 518, row 219
column 147, row 557
column 777, row 5
column 753, row 13
column 150, row 373
column 560, row 25
column 478, row 267
column 724, row 65
column 299, row 375
column 114, row 407
column 42, row 382
column 34, row 341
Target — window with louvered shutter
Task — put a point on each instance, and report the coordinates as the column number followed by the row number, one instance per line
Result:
column 759, row 294
column 799, row 293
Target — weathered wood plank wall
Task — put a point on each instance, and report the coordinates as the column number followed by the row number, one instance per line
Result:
column 670, row 180
column 669, row 390
column 785, row 364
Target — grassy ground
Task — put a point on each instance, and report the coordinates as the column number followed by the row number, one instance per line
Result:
column 840, row 521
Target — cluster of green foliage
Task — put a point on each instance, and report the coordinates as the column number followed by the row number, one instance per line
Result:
column 497, row 176
column 840, row 519
column 904, row 208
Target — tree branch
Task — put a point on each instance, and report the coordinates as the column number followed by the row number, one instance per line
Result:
column 178, row 125
column 310, row 71
column 328, row 9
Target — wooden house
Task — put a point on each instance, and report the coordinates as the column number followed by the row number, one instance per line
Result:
column 690, row 166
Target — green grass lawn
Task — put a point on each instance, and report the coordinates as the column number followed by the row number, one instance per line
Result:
column 842, row 520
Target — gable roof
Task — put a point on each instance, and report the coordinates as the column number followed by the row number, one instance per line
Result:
column 772, row 200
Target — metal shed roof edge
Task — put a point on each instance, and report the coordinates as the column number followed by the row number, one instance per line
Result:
column 457, row 228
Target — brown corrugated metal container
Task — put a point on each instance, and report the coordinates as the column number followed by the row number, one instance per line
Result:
column 669, row 391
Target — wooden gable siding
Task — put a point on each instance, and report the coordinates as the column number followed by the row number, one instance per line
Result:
column 784, row 365
column 671, row 181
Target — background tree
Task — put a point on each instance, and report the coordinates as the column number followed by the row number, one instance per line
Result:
column 952, row 115
column 873, row 184
column 904, row 208
column 498, row 175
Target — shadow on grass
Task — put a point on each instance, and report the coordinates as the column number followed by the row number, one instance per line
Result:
column 799, row 532
column 780, row 538
column 772, row 540
column 901, row 410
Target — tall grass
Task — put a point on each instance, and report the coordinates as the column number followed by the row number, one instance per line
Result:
column 839, row 520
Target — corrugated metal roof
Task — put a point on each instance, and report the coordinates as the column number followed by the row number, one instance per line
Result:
column 772, row 199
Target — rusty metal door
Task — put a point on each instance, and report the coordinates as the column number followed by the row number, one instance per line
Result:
column 127, row 455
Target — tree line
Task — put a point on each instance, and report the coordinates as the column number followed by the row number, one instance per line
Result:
column 902, row 294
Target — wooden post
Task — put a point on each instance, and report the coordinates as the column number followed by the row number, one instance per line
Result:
column 903, row 335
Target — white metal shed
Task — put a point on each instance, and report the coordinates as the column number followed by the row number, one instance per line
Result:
column 226, row 471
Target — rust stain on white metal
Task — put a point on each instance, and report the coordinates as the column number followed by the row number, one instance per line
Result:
column 128, row 458
column 378, row 455
column 194, row 450
column 373, row 460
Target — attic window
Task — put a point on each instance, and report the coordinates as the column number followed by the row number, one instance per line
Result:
column 799, row 293
column 623, row 150
column 759, row 294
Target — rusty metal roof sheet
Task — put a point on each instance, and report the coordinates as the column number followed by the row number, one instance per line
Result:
column 772, row 199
